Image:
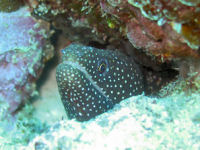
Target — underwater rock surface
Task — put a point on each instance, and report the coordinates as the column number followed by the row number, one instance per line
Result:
column 136, row 123
column 9, row 5
column 167, row 30
column 24, row 48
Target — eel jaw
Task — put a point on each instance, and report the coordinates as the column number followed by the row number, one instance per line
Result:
column 83, row 99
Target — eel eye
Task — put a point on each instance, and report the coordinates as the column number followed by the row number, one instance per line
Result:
column 102, row 66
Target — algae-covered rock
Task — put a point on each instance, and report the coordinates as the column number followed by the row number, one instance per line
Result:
column 10, row 5
column 17, row 132
column 165, row 31
column 136, row 123
column 24, row 48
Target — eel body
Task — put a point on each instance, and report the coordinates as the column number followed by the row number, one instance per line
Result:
column 91, row 81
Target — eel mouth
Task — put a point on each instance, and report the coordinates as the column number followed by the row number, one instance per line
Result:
column 80, row 94
column 79, row 67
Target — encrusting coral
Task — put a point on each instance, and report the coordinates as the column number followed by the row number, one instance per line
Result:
column 24, row 48
column 166, row 31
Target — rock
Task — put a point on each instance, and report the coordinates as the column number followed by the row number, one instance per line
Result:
column 136, row 123
column 24, row 48
column 165, row 31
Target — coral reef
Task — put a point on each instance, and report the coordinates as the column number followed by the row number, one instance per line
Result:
column 167, row 30
column 15, row 133
column 161, row 32
column 136, row 123
column 24, row 48
column 139, row 122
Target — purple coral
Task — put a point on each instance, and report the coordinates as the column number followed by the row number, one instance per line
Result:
column 23, row 39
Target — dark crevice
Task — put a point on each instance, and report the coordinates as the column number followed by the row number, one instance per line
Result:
column 49, row 65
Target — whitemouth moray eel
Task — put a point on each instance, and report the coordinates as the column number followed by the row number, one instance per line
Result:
column 91, row 81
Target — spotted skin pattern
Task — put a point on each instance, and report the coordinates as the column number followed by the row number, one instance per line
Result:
column 91, row 81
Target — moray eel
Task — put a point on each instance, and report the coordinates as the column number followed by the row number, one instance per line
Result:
column 91, row 81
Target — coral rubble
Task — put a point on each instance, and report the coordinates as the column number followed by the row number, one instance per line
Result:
column 17, row 132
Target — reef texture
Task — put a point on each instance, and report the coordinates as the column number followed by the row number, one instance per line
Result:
column 24, row 48
column 10, row 5
column 139, row 122
column 91, row 81
column 167, row 30
column 136, row 123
